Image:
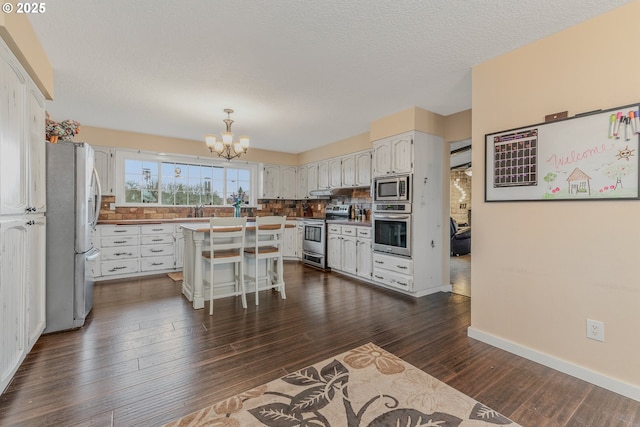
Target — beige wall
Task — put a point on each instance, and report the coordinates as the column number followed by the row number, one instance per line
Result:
column 540, row 269
column 163, row 144
column 339, row 148
column 17, row 32
column 413, row 118
column 457, row 127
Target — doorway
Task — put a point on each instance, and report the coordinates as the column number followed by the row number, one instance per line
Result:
column 460, row 212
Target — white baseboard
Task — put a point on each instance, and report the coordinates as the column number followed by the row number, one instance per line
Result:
column 629, row 390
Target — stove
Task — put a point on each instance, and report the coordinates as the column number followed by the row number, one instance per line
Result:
column 314, row 237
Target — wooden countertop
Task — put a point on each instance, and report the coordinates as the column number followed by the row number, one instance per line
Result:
column 203, row 227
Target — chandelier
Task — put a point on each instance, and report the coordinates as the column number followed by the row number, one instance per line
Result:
column 226, row 147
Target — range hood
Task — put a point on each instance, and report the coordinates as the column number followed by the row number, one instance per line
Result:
column 328, row 193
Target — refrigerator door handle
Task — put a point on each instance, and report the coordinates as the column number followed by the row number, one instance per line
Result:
column 92, row 254
column 98, row 199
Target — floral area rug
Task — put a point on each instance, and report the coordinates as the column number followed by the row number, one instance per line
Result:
column 366, row 386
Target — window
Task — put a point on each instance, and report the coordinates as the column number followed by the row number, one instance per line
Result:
column 178, row 181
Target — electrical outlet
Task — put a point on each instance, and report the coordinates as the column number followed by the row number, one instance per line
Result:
column 595, row 330
column 112, row 206
column 259, row 207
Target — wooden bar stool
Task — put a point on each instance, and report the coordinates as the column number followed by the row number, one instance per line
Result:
column 268, row 245
column 226, row 245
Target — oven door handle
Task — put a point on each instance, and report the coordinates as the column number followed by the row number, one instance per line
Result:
column 391, row 216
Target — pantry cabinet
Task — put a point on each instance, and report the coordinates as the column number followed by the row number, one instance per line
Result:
column 22, row 209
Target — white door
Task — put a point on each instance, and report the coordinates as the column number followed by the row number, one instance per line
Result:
column 349, row 171
column 363, row 169
column 335, row 173
column 349, row 250
column 37, row 153
column 36, row 316
column 364, row 262
column 381, row 158
column 402, row 155
column 13, row 149
column 12, row 296
column 334, row 251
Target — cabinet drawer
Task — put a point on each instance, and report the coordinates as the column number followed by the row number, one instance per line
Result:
column 334, row 229
column 119, row 230
column 157, row 229
column 390, row 278
column 120, row 252
column 156, row 239
column 364, row 232
column 156, row 250
column 106, row 242
column 157, row 263
column 349, row 230
column 392, row 263
column 110, row 268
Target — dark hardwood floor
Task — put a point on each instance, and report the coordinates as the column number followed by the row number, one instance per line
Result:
column 145, row 357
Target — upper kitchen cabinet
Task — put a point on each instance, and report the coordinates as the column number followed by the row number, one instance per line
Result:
column 312, row 179
column 288, row 182
column 22, row 140
column 302, row 191
column 356, row 170
column 279, row 182
column 335, row 172
column 323, row 175
column 270, row 182
column 104, row 163
column 393, row 155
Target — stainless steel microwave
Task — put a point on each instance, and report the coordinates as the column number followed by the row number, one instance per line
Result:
column 392, row 188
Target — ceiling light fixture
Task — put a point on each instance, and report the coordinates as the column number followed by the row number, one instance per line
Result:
column 226, row 147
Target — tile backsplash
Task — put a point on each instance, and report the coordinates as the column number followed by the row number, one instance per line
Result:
column 290, row 208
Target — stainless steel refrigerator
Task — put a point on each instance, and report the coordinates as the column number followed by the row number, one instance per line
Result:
column 73, row 205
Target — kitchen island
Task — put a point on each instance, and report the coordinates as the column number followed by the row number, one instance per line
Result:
column 196, row 235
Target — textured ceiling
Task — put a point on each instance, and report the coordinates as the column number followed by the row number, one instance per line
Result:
column 298, row 73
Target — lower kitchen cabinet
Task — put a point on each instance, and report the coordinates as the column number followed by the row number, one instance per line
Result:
column 349, row 249
column 393, row 271
column 290, row 244
column 131, row 250
column 22, row 290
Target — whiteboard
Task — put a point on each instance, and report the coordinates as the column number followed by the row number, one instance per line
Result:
column 578, row 158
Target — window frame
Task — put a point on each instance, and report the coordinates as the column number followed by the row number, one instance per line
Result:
column 121, row 155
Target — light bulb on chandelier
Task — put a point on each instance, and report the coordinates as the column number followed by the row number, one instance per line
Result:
column 226, row 147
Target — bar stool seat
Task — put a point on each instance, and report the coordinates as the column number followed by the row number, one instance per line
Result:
column 226, row 245
column 268, row 245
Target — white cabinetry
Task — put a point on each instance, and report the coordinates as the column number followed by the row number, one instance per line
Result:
column 323, row 175
column 349, row 249
column 136, row 250
column 334, row 246
column 290, row 245
column 119, row 249
column 302, row 191
column 312, row 178
column 270, row 181
column 393, row 271
column 279, row 182
column 104, row 164
column 299, row 237
column 156, row 247
column 363, row 252
column 356, row 170
column 288, row 182
column 335, row 172
column 363, row 169
column 22, row 221
column 393, row 155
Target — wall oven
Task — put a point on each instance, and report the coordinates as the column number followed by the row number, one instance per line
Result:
column 392, row 189
column 314, row 244
column 392, row 229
